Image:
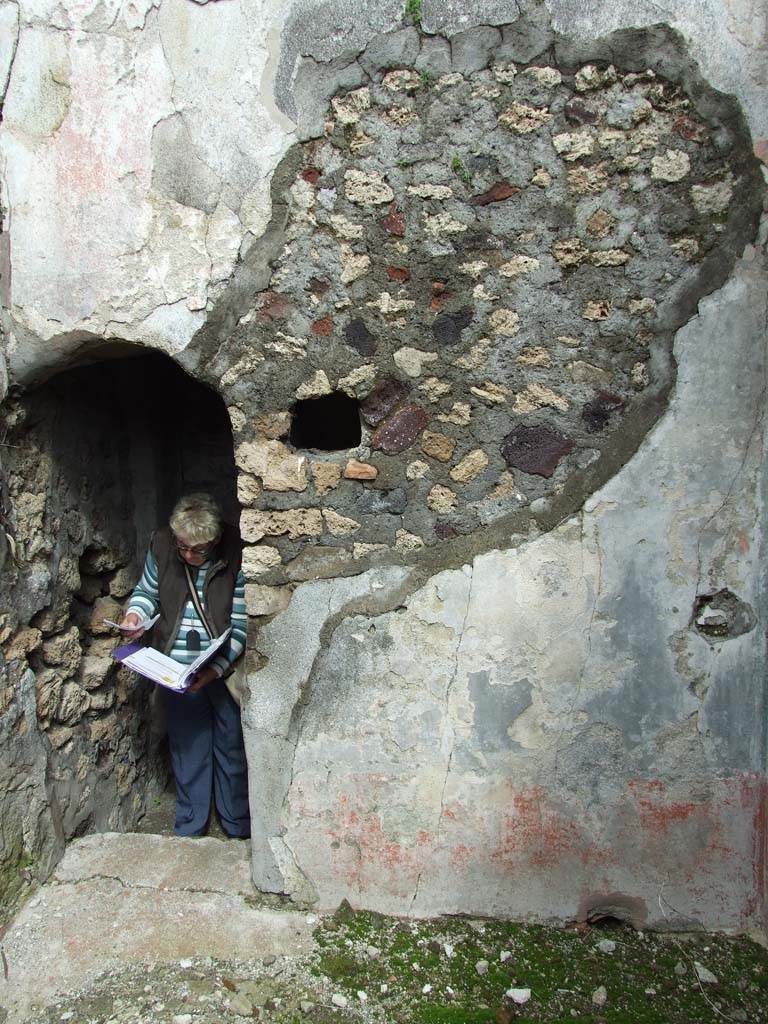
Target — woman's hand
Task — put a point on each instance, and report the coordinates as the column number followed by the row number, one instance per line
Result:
column 202, row 678
column 132, row 619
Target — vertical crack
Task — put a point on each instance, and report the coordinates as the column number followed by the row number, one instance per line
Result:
column 588, row 652
column 14, row 50
column 448, row 731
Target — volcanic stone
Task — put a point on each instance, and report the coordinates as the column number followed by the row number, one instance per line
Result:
column 535, row 449
column 400, row 430
column 577, row 112
column 448, row 327
column 380, row 402
column 360, row 338
column 392, row 502
column 597, row 413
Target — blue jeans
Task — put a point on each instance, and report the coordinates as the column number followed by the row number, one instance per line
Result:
column 208, row 758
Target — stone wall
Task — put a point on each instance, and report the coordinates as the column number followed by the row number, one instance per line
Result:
column 516, row 247
column 76, row 753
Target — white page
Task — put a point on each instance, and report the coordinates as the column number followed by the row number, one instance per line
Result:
column 161, row 669
column 158, row 667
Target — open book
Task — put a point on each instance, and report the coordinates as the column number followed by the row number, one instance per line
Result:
column 161, row 669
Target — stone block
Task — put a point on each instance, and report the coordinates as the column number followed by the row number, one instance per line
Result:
column 48, row 684
column 393, row 502
column 295, row 522
column 441, row 499
column 535, row 449
column 470, row 466
column 412, row 360
column 360, row 338
column 102, row 700
column 259, row 560
column 326, row 476
column 339, row 525
column 261, row 600
column 248, row 489
column 272, row 425
column 523, row 119
column 320, row 562
column 93, row 670
column 74, row 701
column 123, row 581
column 358, row 383
column 276, row 465
column 393, row 49
column 434, row 56
column 366, row 189
column 471, row 50
column 437, row 446
column 103, row 608
column 63, row 651
column 447, row 328
column 385, row 396
column 400, row 430
column 25, row 641
column 317, row 386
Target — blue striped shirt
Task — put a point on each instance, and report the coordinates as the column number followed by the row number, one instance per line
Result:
column 144, row 601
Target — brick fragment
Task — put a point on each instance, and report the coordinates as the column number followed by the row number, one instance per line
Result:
column 274, row 306
column 398, row 274
column 578, row 112
column 689, row 129
column 496, row 194
column 355, row 470
column 394, row 222
column 323, row 326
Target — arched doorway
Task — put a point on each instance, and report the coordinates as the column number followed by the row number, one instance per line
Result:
column 94, row 459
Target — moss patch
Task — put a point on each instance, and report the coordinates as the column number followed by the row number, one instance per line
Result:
column 370, row 969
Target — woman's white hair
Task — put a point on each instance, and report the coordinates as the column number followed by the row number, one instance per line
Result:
column 196, row 518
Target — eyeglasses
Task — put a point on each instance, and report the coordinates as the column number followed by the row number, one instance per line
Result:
column 195, row 549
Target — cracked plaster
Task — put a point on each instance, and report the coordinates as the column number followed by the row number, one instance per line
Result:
column 125, row 249
column 394, row 803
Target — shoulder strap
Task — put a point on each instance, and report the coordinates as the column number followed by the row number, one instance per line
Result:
column 196, row 602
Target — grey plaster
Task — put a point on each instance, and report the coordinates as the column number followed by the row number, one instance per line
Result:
column 178, row 171
column 324, row 30
column 496, row 708
column 291, row 644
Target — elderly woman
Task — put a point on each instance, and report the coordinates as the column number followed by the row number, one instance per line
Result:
column 198, row 550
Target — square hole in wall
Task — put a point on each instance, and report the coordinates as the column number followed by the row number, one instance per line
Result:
column 327, row 424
